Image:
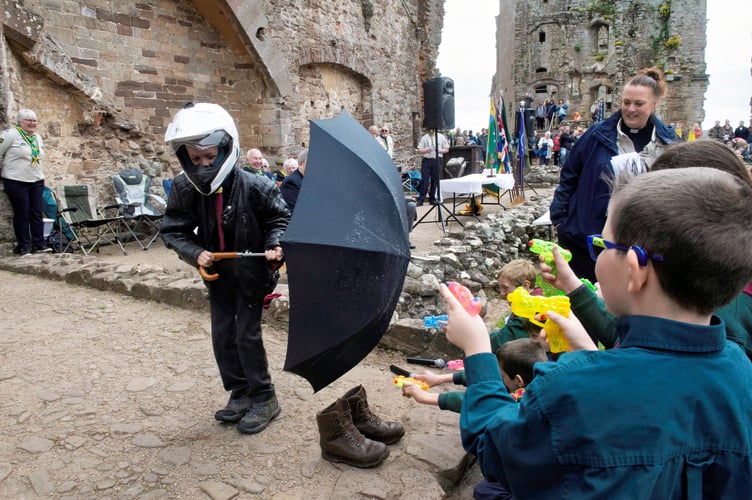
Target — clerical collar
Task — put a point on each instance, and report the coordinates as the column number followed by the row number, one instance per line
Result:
column 640, row 137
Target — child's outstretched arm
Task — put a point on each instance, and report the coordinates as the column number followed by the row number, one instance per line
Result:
column 433, row 379
column 463, row 330
column 586, row 304
column 419, row 395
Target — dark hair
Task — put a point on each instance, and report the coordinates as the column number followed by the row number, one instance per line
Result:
column 650, row 77
column 700, row 221
column 518, row 356
column 712, row 154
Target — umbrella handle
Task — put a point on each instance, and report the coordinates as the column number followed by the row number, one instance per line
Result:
column 217, row 256
column 205, row 274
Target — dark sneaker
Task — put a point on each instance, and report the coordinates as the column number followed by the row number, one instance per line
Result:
column 23, row 251
column 41, row 249
column 234, row 410
column 258, row 416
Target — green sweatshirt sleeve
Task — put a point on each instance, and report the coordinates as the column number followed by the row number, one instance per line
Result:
column 458, row 378
column 451, row 401
column 591, row 311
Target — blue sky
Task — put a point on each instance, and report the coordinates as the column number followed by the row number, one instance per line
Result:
column 467, row 55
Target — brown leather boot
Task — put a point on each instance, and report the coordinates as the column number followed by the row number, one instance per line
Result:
column 369, row 424
column 341, row 442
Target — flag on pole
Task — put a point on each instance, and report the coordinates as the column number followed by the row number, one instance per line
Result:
column 522, row 138
column 492, row 158
column 503, row 143
column 521, row 147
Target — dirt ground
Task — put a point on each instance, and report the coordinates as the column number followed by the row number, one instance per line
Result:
column 106, row 396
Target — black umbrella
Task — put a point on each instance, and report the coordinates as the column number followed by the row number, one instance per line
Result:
column 347, row 251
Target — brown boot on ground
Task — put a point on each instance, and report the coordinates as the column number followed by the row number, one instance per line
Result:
column 477, row 208
column 341, row 442
column 369, row 424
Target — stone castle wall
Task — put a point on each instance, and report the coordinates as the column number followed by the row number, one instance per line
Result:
column 583, row 51
column 105, row 77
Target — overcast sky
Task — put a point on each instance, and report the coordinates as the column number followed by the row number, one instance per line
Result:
column 467, row 55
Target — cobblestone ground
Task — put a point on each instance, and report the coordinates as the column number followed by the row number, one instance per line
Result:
column 106, row 396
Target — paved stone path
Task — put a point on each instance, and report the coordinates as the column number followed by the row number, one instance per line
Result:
column 108, row 396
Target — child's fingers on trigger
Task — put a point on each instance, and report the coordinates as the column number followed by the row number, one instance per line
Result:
column 557, row 318
column 449, row 298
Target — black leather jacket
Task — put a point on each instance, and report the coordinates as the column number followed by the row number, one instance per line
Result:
column 256, row 215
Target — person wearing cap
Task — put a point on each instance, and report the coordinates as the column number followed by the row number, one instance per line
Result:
column 21, row 153
column 233, row 210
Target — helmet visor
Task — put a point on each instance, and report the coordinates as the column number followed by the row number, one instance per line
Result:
column 218, row 138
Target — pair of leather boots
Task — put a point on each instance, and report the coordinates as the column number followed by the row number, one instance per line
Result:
column 350, row 433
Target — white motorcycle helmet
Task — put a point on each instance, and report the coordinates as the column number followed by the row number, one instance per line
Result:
column 203, row 125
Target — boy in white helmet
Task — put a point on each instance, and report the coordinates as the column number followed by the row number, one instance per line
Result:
column 234, row 210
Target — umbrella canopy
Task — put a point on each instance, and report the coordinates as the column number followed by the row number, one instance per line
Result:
column 347, row 251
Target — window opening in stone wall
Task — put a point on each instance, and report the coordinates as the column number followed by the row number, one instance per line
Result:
column 542, row 36
column 602, row 38
column 541, row 90
column 574, row 85
column 599, row 36
column 541, row 70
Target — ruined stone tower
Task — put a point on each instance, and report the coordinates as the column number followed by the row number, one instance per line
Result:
column 585, row 50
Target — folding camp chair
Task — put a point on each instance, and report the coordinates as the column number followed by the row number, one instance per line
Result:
column 141, row 218
column 90, row 228
column 59, row 233
column 411, row 182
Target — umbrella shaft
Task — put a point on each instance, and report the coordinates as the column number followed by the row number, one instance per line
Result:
column 235, row 255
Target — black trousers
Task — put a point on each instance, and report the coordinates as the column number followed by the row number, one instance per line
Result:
column 429, row 182
column 236, row 339
column 582, row 264
column 26, row 201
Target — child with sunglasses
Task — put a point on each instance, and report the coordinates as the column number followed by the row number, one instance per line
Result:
column 590, row 309
column 666, row 415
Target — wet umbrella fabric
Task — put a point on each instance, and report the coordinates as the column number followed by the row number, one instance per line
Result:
column 347, row 251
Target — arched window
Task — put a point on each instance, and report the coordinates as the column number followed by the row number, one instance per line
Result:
column 541, row 70
column 541, row 36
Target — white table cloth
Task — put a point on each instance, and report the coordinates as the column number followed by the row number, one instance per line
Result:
column 473, row 184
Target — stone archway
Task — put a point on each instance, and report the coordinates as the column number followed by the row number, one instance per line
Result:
column 331, row 88
column 333, row 78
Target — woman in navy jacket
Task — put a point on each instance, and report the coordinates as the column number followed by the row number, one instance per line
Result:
column 581, row 199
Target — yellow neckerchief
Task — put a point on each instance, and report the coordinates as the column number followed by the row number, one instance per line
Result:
column 31, row 140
